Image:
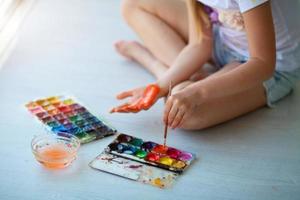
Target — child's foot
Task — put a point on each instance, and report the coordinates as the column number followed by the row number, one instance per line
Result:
column 132, row 50
column 135, row 51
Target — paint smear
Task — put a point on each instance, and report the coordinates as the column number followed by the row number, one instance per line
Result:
column 158, row 182
column 134, row 170
column 135, row 166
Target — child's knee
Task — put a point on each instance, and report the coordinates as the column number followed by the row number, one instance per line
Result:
column 128, row 7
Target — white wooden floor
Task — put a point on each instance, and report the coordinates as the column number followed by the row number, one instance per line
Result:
column 65, row 47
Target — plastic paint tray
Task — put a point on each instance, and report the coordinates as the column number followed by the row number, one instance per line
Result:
column 64, row 114
column 150, row 153
column 143, row 161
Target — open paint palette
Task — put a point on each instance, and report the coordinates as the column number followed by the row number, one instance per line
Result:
column 63, row 114
column 150, row 153
column 143, row 161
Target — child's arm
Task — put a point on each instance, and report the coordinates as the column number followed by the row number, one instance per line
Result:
column 260, row 67
column 190, row 59
column 197, row 52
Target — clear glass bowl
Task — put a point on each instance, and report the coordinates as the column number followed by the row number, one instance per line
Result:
column 55, row 150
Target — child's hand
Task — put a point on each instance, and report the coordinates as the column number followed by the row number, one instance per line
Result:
column 180, row 106
column 141, row 99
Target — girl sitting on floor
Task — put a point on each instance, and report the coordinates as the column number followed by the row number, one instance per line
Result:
column 253, row 44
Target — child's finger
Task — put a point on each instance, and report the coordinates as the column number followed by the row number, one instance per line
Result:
column 120, row 108
column 135, row 104
column 121, row 111
column 178, row 118
column 168, row 107
column 133, row 110
column 172, row 114
column 125, row 94
column 183, row 119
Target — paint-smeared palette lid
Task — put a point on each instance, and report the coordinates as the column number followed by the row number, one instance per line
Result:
column 64, row 114
column 133, row 170
column 150, row 153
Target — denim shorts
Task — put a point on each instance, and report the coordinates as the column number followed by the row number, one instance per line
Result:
column 277, row 87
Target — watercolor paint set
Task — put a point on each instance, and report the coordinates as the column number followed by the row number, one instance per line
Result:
column 64, row 114
column 143, row 161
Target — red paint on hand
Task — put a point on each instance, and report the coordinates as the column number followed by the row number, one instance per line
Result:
column 143, row 103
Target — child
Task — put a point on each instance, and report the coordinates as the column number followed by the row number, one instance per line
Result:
column 253, row 43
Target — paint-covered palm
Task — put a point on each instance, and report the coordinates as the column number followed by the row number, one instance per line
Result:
column 140, row 99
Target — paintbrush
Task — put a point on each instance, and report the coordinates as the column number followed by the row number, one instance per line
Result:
column 166, row 124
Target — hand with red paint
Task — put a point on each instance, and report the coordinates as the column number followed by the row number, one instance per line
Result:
column 141, row 99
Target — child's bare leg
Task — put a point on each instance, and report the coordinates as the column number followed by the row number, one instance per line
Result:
column 223, row 109
column 226, row 108
column 162, row 26
column 138, row 53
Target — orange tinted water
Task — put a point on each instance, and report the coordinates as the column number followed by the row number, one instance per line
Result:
column 55, row 156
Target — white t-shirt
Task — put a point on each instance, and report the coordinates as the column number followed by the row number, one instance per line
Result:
column 286, row 17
